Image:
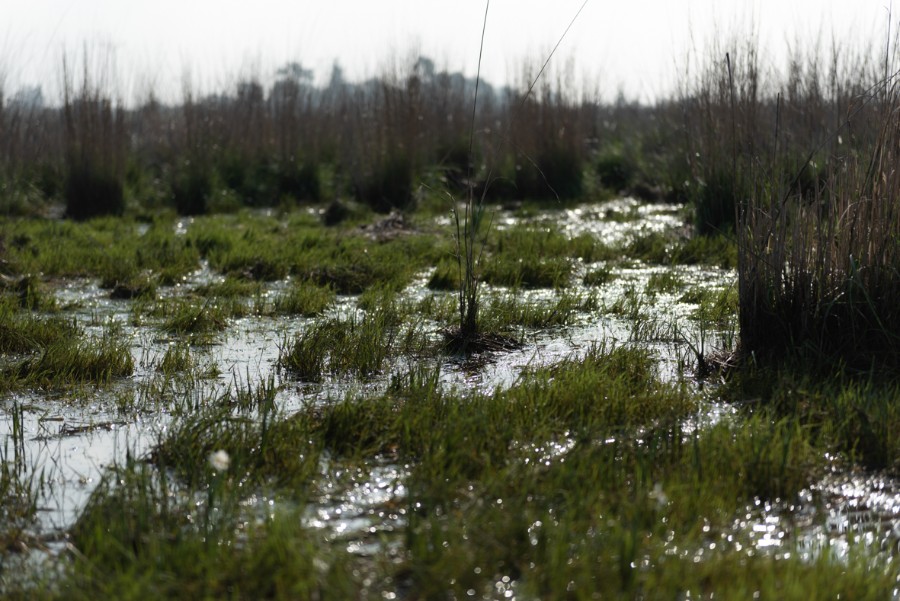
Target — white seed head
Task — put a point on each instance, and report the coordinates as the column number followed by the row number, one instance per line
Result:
column 219, row 460
column 659, row 495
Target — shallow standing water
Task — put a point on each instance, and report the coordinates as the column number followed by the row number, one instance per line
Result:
column 72, row 438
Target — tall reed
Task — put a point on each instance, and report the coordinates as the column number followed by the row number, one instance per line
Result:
column 95, row 144
column 819, row 266
column 824, row 272
column 257, row 144
column 469, row 225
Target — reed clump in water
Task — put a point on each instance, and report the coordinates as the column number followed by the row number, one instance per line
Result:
column 825, row 274
column 819, row 265
column 813, row 203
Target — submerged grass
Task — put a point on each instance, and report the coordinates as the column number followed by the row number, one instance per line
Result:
column 19, row 493
column 20, row 489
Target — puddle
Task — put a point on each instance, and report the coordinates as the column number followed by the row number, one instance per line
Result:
column 68, row 447
column 613, row 222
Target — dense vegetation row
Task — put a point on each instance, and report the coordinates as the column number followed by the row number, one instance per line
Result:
column 797, row 163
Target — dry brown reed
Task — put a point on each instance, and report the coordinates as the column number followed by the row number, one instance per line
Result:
column 551, row 141
column 743, row 119
column 95, row 142
column 818, row 219
column 376, row 139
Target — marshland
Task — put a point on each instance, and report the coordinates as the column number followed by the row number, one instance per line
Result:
column 424, row 337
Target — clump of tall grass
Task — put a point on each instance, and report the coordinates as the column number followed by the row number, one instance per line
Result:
column 295, row 142
column 95, row 141
column 304, row 298
column 389, row 185
column 824, row 274
column 549, row 156
column 799, row 163
column 69, row 362
column 555, row 174
column 358, row 346
column 744, row 121
column 818, row 264
column 470, row 220
column 616, row 170
column 192, row 189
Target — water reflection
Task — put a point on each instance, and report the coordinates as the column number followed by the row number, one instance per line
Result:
column 75, row 439
column 360, row 506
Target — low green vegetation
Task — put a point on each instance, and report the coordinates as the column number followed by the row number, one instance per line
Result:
column 193, row 317
column 24, row 332
column 115, row 251
column 359, row 345
column 532, row 256
column 304, row 298
column 854, row 414
column 582, row 477
column 70, row 362
column 661, row 249
column 502, row 312
column 52, row 352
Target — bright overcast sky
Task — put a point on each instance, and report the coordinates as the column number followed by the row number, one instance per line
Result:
column 635, row 45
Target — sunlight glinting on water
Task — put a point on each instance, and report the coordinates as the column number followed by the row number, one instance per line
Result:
column 75, row 440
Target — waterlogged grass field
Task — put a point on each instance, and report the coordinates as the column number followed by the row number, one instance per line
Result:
column 256, row 405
